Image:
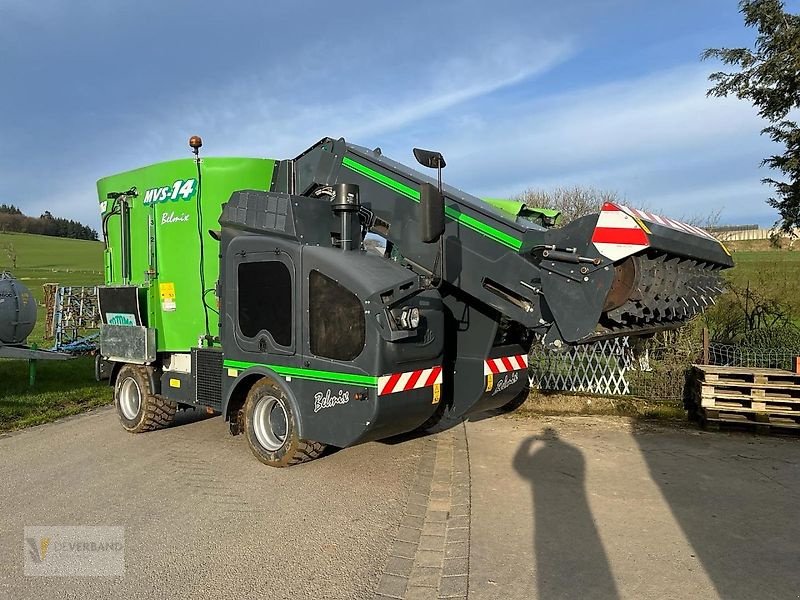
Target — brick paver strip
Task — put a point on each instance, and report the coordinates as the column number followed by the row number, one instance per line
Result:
column 429, row 558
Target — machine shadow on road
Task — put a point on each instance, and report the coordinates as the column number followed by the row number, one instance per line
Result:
column 189, row 416
column 415, row 434
column 571, row 561
column 735, row 499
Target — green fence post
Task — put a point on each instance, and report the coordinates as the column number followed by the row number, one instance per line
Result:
column 32, row 368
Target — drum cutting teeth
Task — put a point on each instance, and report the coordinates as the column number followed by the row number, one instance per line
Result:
column 670, row 289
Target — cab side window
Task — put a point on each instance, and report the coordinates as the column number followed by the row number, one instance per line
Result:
column 265, row 300
column 336, row 319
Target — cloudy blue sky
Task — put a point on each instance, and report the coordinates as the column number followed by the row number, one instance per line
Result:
column 516, row 94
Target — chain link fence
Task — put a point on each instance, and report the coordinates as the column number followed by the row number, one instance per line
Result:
column 762, row 358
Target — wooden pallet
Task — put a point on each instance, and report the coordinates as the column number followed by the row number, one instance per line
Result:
column 746, row 375
column 761, row 422
column 756, row 391
column 743, row 403
column 764, row 399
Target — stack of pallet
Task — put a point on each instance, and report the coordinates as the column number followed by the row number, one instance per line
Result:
column 767, row 399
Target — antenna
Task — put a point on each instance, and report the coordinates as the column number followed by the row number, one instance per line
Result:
column 195, row 143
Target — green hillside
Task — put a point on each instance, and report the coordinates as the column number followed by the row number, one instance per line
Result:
column 51, row 253
column 775, row 273
column 44, row 259
column 62, row 388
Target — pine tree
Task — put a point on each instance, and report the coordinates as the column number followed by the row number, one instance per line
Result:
column 769, row 77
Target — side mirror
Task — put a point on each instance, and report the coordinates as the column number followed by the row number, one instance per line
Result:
column 429, row 158
column 431, row 207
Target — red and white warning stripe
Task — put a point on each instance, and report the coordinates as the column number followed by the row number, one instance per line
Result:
column 617, row 233
column 667, row 222
column 504, row 364
column 411, row 380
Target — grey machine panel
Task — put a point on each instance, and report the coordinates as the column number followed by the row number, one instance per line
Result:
column 131, row 344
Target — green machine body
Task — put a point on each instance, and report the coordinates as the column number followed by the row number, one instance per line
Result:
column 157, row 223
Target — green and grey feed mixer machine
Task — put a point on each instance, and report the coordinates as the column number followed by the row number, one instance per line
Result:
column 240, row 285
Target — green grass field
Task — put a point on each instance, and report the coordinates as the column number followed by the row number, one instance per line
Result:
column 62, row 387
column 770, row 270
column 749, row 263
column 43, row 259
column 775, row 272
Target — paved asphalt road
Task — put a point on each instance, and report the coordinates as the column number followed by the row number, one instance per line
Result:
column 203, row 518
column 602, row 508
column 514, row 508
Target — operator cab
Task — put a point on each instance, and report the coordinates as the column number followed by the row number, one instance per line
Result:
column 354, row 339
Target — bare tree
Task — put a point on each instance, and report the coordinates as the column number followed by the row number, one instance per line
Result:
column 751, row 315
column 573, row 202
column 578, row 201
column 704, row 221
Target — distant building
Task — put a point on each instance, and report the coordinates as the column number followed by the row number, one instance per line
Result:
column 742, row 233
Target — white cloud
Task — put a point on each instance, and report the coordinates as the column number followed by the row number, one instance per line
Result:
column 463, row 79
column 661, row 112
column 657, row 139
column 256, row 115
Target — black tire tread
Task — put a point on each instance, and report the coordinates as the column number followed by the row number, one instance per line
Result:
column 297, row 451
column 306, row 451
column 159, row 411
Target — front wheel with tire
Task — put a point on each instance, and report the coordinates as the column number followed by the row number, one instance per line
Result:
column 138, row 407
column 271, row 428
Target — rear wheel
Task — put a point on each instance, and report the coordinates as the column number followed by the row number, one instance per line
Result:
column 139, row 409
column 271, row 428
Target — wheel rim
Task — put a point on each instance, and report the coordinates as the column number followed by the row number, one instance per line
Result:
column 130, row 398
column 270, row 423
